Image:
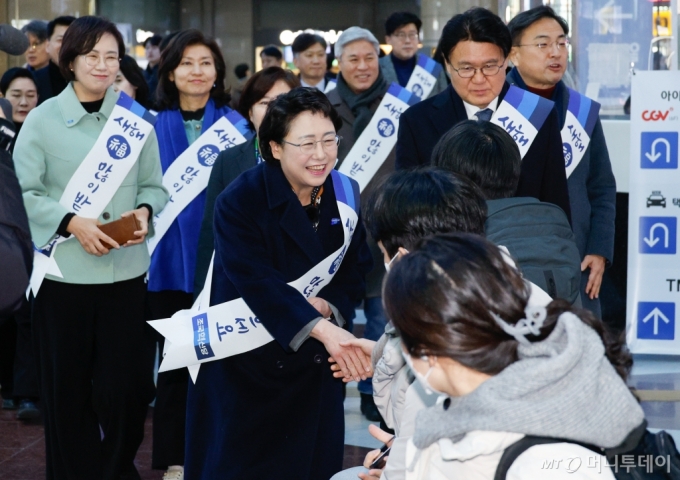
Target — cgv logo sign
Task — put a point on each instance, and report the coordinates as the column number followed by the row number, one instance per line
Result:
column 655, row 115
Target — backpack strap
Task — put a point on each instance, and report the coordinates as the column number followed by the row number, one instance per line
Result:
column 511, row 453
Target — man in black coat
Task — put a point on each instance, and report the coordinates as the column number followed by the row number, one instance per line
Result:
column 539, row 53
column 49, row 79
column 475, row 45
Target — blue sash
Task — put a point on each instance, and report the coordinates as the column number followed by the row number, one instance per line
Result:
column 581, row 117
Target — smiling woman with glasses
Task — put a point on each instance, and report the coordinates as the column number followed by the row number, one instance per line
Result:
column 273, row 224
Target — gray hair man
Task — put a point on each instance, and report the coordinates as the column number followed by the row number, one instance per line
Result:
column 361, row 87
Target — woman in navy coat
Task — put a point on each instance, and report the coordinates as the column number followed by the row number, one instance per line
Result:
column 276, row 411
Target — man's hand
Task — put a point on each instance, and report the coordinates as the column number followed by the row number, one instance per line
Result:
column 361, row 345
column 385, row 438
column 596, row 264
column 352, row 364
column 142, row 215
column 89, row 235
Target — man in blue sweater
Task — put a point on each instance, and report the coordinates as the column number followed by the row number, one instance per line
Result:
column 402, row 32
column 539, row 54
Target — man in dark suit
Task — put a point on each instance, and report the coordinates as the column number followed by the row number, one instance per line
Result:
column 539, row 54
column 309, row 56
column 49, row 79
column 475, row 46
column 360, row 90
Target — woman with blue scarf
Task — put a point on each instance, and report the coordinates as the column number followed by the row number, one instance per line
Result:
column 191, row 98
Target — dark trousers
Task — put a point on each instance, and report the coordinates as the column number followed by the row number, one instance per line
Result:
column 95, row 374
column 169, row 413
column 18, row 373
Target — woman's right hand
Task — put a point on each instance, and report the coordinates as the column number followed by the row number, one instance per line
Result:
column 89, row 236
column 387, row 439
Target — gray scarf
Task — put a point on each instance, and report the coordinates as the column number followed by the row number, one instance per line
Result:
column 360, row 104
column 562, row 387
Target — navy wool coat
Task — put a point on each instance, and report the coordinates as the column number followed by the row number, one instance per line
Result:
column 273, row 412
column 542, row 175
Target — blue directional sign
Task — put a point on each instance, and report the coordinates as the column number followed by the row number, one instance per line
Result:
column 659, row 150
column 656, row 320
column 658, row 235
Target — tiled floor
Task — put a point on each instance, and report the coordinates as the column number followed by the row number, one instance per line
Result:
column 22, row 449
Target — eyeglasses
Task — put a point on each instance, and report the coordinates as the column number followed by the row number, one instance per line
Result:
column 308, row 148
column 561, row 45
column 403, row 35
column 34, row 46
column 487, row 70
column 92, row 59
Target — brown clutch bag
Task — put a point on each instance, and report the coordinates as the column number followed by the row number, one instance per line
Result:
column 121, row 230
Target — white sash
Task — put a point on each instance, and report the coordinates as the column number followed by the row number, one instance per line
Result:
column 522, row 114
column 102, row 171
column 188, row 175
column 582, row 114
column 203, row 334
column 424, row 76
column 379, row 137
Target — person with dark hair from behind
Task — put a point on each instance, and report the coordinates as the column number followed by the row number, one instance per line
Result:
column 402, row 32
column 242, row 72
column 130, row 79
column 36, row 55
column 50, row 80
column 475, row 46
column 258, row 93
column 506, row 370
column 309, row 56
column 152, row 51
column 275, row 411
column 88, row 324
column 271, row 56
column 191, row 98
column 540, row 55
column 537, row 234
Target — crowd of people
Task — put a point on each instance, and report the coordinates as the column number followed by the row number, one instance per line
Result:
column 476, row 251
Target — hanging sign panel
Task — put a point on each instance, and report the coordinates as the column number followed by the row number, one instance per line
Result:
column 654, row 208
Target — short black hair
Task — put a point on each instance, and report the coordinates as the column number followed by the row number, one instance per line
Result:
column 272, row 51
column 12, row 74
column 401, row 19
column 409, row 205
column 306, row 40
column 524, row 20
column 154, row 40
column 484, row 153
column 37, row 28
column 81, row 37
column 134, row 74
column 476, row 25
column 282, row 111
column 64, row 21
column 241, row 70
column 167, row 95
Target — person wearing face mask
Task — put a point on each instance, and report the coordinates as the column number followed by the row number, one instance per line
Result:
column 18, row 86
column 88, row 322
column 275, row 410
column 540, row 56
column 475, row 46
column 191, row 98
column 503, row 369
column 130, row 79
column 259, row 91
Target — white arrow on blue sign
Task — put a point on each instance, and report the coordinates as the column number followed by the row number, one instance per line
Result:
column 656, row 320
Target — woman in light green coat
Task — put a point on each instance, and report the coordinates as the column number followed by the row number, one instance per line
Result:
column 89, row 323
